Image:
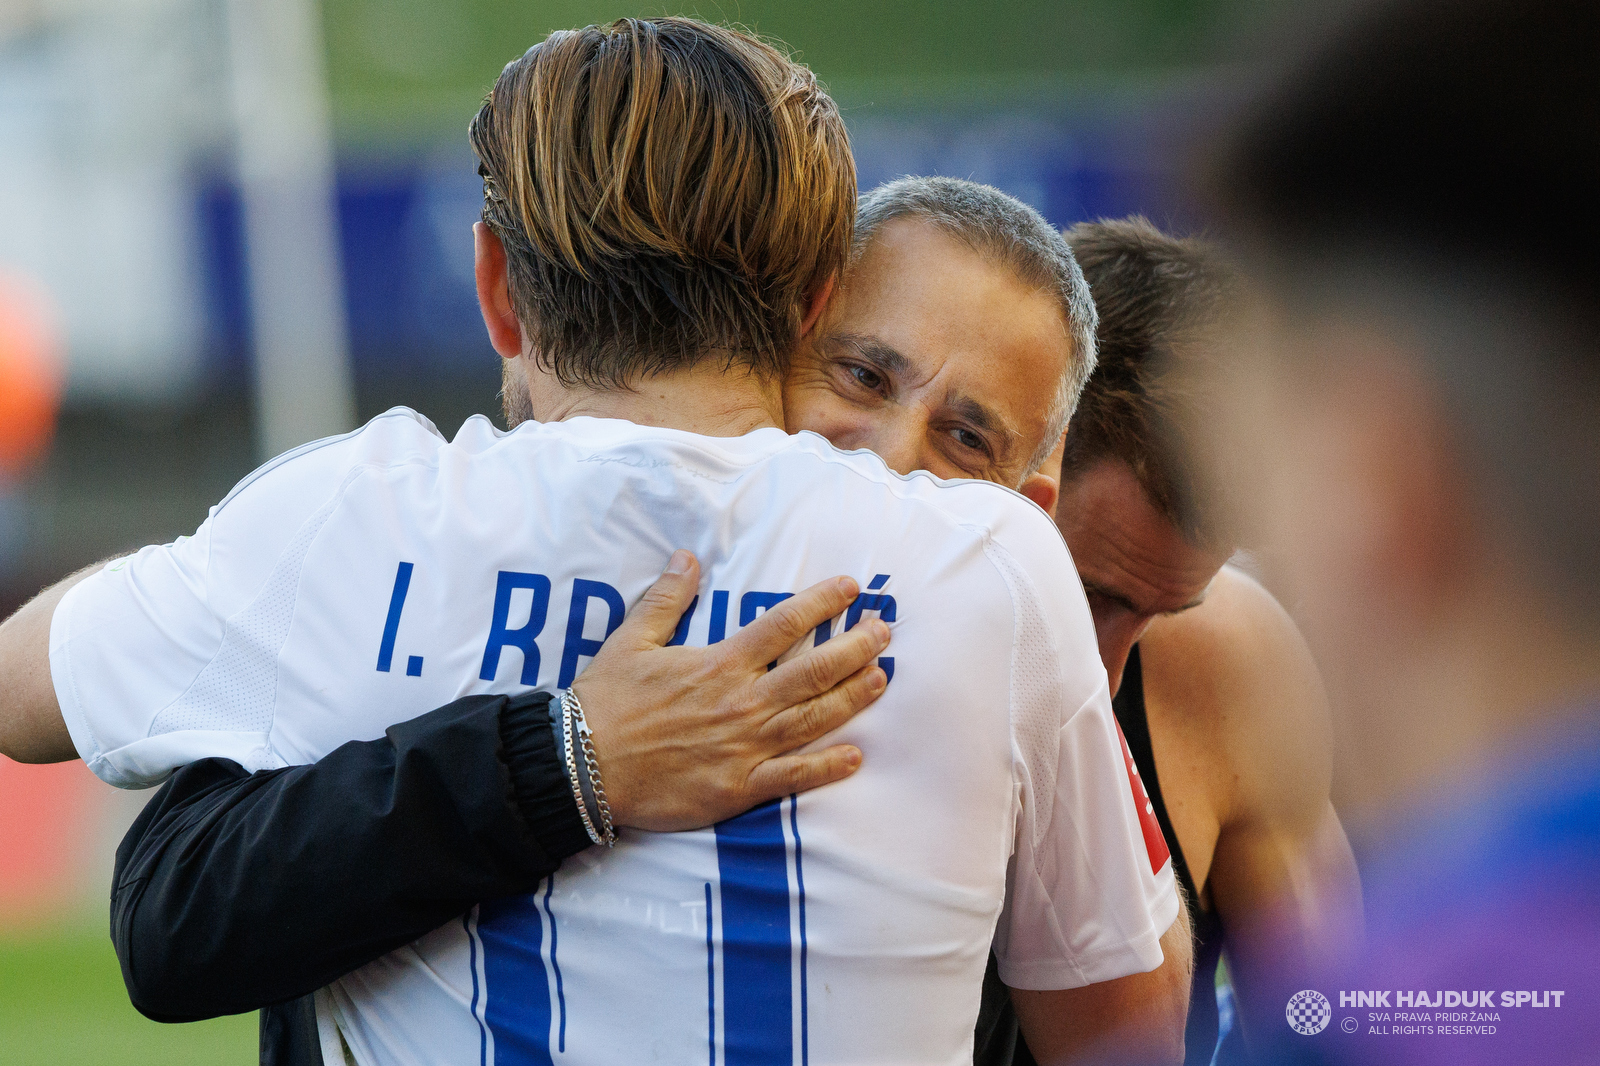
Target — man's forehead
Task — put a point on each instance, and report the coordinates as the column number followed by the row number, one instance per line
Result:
column 950, row 312
column 1125, row 547
column 912, row 254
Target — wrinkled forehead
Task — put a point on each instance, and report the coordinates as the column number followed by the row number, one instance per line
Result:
column 1125, row 547
column 956, row 320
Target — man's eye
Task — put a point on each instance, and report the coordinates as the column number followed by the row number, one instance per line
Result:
column 967, row 439
column 1101, row 606
column 867, row 378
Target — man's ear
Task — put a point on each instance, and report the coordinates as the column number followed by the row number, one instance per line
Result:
column 818, row 303
column 1042, row 489
column 494, row 294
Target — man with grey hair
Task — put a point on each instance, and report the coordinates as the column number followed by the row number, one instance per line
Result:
column 1010, row 234
column 986, row 289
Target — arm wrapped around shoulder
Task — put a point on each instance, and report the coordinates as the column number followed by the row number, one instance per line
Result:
column 234, row 890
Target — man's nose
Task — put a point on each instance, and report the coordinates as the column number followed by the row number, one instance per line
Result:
column 898, row 442
column 1116, row 642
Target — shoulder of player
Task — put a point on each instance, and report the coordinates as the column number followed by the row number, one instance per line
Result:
column 1242, row 677
column 399, row 435
column 1021, row 547
column 983, row 508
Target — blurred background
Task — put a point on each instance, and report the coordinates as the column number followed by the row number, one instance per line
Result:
column 230, row 226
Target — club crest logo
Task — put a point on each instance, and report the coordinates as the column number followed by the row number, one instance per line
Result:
column 1309, row 1012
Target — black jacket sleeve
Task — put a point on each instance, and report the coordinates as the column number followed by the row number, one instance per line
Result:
column 236, row 890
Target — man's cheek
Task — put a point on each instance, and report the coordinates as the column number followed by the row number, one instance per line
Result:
column 819, row 410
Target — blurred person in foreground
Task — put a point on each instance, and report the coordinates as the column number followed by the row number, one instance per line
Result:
column 1221, row 706
column 1010, row 748
column 1419, row 196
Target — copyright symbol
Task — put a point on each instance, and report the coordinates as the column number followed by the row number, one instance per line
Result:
column 1349, row 1025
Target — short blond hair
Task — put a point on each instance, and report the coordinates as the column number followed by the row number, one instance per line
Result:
column 666, row 191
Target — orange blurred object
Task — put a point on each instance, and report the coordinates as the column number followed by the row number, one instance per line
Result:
column 47, row 822
column 30, row 376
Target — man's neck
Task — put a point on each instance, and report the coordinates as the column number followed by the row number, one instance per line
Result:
column 706, row 399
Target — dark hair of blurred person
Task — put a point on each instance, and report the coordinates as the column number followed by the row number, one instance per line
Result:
column 1215, row 691
column 1419, row 196
column 725, row 199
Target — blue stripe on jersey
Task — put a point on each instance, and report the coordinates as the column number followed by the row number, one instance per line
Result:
column 711, row 985
column 472, row 964
column 561, row 992
column 757, row 957
column 800, row 886
column 517, row 988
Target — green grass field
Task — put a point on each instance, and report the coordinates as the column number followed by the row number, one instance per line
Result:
column 62, row 1002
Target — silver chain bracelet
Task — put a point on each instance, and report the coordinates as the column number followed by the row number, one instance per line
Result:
column 575, row 727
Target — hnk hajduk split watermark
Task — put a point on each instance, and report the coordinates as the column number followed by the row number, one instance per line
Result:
column 1393, row 1012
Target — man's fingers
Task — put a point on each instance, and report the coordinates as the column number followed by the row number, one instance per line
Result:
column 782, row 626
column 798, row 773
column 654, row 619
column 800, row 725
column 816, row 670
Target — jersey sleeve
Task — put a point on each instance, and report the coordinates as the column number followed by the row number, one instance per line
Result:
column 1088, row 896
column 171, row 654
column 124, row 644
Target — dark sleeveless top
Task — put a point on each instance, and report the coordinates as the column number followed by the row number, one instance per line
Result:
column 997, row 1041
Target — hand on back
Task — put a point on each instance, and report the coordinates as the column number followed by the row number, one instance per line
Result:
column 686, row 737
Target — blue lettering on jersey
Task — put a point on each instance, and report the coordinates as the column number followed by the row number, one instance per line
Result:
column 719, row 618
column 524, row 637
column 752, row 604
column 576, row 646
column 391, row 625
column 681, row 634
column 883, row 604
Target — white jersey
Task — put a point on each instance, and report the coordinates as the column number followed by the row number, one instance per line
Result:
column 360, row 581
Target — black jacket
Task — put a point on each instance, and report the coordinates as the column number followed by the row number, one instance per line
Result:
column 390, row 839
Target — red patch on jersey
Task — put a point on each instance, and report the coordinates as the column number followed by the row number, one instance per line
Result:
column 1155, row 845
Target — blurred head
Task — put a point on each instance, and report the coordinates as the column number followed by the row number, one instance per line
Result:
column 958, row 342
column 1144, row 540
column 1419, row 196
column 663, row 192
